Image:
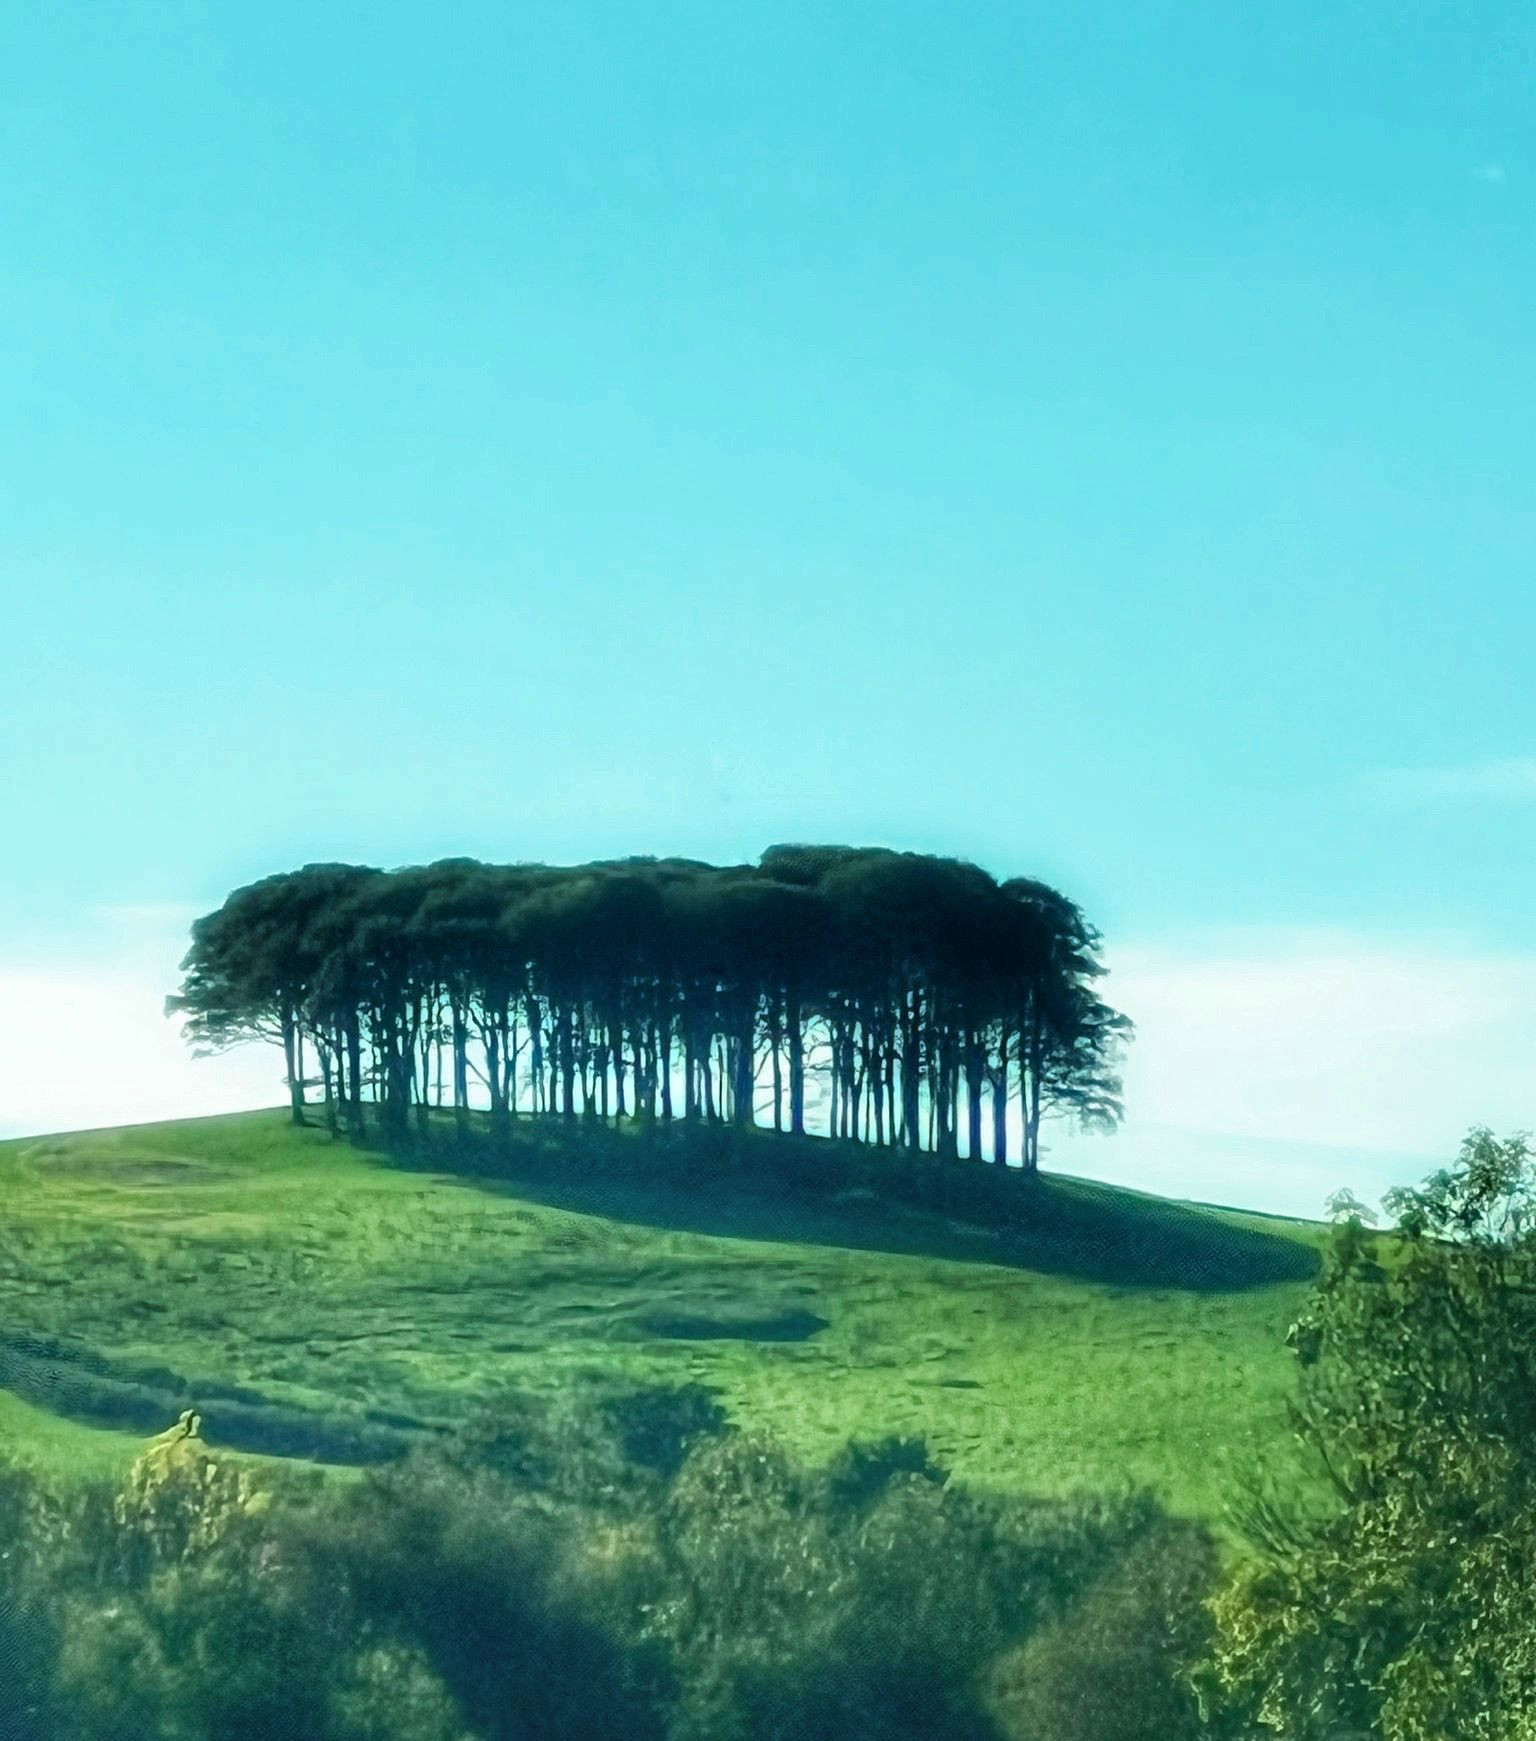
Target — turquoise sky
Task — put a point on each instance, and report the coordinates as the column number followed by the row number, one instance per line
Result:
column 1096, row 441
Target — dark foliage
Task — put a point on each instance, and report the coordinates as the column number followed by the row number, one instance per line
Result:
column 1392, row 1598
column 596, row 1566
column 893, row 999
column 1111, row 1667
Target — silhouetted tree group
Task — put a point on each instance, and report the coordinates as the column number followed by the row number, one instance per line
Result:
column 902, row 999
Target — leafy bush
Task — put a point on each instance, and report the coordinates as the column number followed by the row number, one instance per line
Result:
column 1400, row 1606
column 182, row 1612
column 657, row 1425
column 1110, row 1667
column 584, row 1568
column 521, row 1614
column 863, row 1468
column 872, row 1596
column 28, row 1629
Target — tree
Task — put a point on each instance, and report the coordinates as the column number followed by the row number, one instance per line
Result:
column 1396, row 1600
column 253, row 964
column 915, row 985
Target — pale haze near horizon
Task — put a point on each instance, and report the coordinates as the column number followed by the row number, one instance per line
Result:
column 560, row 432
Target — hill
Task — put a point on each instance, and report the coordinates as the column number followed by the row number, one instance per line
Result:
column 318, row 1300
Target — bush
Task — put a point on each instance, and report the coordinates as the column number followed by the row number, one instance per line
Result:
column 183, row 1613
column 1389, row 1594
column 864, row 1468
column 657, row 1425
column 590, row 1568
column 29, row 1639
column 519, row 1613
column 873, row 1596
column 1110, row 1668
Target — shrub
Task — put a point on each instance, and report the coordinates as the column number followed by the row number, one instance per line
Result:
column 864, row 1468
column 590, row 1568
column 1110, row 1667
column 1389, row 1595
column 657, row 1425
column 183, row 1614
column 870, row 1597
column 517, row 1611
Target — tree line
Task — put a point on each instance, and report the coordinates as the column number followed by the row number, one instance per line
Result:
column 884, row 997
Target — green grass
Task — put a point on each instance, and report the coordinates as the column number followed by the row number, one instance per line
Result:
column 312, row 1297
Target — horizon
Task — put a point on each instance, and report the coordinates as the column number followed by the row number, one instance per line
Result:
column 570, row 435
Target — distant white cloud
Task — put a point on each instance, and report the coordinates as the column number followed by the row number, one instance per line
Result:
column 1511, row 778
column 86, row 1043
column 1271, row 1177
column 1326, row 1037
column 89, row 1048
column 1492, row 173
column 1268, row 1065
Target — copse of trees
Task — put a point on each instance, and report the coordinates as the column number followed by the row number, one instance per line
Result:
column 884, row 997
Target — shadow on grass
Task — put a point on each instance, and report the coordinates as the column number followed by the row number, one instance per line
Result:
column 759, row 1185
column 698, row 1327
column 81, row 1385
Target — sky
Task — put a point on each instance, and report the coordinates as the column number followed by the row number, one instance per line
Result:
column 1096, row 442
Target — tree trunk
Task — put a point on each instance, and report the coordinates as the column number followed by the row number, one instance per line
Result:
column 795, row 1022
column 664, row 1066
column 974, row 1065
column 911, row 1073
column 460, row 1069
column 292, row 1062
column 640, row 1068
column 616, row 1052
column 327, row 1079
column 850, row 1085
column 877, row 1093
column 510, row 1047
column 552, row 1059
column 566, row 1037
column 1031, row 1059
column 690, row 1070
column 355, row 1076
column 834, row 1086
column 744, row 1090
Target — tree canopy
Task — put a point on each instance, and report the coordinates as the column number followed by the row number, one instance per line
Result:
column 1398, row 1603
column 885, row 997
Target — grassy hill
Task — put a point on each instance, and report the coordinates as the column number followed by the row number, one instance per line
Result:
column 315, row 1299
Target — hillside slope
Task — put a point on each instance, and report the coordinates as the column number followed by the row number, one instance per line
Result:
column 314, row 1299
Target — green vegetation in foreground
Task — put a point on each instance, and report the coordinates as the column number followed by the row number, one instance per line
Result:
column 314, row 1298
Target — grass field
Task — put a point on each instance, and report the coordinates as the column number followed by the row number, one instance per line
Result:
column 314, row 1299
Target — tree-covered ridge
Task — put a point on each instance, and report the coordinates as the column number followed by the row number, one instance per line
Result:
column 911, row 1000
